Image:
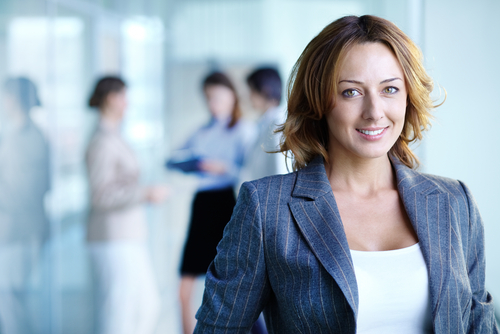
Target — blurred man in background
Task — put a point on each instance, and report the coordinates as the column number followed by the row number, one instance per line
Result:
column 265, row 96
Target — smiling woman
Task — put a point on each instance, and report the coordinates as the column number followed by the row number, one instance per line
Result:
column 355, row 240
column 316, row 78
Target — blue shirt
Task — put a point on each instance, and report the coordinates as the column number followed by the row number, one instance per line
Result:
column 215, row 141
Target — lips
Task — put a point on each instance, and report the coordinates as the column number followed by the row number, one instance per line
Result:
column 372, row 133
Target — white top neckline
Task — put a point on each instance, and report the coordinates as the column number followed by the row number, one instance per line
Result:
column 390, row 252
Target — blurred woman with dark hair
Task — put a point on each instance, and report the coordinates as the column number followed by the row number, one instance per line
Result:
column 24, row 181
column 217, row 151
column 127, row 299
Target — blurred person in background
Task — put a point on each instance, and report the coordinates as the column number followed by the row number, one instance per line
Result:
column 265, row 96
column 215, row 153
column 127, row 298
column 24, row 181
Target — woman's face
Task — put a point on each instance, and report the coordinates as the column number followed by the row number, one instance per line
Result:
column 258, row 101
column 116, row 103
column 370, row 105
column 220, row 101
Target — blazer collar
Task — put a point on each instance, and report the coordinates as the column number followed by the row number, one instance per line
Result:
column 312, row 181
column 427, row 205
column 314, row 208
column 410, row 180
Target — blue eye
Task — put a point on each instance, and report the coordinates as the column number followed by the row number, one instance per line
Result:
column 390, row 90
column 350, row 93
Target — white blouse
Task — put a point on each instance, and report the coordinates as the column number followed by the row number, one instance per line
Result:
column 393, row 291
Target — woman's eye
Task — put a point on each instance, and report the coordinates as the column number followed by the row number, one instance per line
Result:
column 390, row 90
column 350, row 93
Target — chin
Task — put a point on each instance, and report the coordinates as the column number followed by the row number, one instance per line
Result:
column 372, row 154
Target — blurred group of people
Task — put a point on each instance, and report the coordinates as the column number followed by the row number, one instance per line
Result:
column 223, row 153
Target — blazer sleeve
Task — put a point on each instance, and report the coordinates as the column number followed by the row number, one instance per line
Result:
column 236, row 286
column 482, row 317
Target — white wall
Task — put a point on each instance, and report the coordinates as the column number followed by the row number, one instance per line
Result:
column 462, row 44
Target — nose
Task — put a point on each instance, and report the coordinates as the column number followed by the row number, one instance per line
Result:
column 373, row 107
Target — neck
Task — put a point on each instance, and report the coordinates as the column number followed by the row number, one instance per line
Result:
column 360, row 176
column 110, row 117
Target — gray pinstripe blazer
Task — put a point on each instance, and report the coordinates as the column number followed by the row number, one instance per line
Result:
column 285, row 252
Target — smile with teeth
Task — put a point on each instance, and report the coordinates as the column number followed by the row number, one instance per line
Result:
column 371, row 133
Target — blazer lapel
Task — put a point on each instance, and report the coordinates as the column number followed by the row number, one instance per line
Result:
column 315, row 211
column 314, row 208
column 428, row 208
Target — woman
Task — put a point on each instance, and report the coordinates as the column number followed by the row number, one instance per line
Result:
column 355, row 240
column 217, row 151
column 127, row 299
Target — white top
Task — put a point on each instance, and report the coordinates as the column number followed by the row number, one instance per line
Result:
column 393, row 291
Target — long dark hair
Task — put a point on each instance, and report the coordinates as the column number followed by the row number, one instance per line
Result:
column 219, row 78
column 105, row 85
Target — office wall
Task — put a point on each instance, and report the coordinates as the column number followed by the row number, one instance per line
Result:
column 462, row 43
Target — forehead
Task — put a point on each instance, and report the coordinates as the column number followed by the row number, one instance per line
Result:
column 369, row 61
column 216, row 87
column 217, row 90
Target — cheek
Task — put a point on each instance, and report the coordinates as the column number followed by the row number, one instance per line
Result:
column 229, row 102
column 395, row 109
column 340, row 117
column 337, row 128
column 401, row 112
column 216, row 106
column 399, row 118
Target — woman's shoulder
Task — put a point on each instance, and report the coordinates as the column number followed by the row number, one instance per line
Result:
column 101, row 142
column 414, row 180
column 453, row 187
column 274, row 184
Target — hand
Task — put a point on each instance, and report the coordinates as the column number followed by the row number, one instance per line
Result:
column 157, row 194
column 213, row 166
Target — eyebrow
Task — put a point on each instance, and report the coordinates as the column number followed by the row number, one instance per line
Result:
column 381, row 82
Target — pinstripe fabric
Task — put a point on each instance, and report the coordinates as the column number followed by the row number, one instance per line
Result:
column 285, row 252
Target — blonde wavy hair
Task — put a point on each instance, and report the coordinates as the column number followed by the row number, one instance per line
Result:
column 314, row 81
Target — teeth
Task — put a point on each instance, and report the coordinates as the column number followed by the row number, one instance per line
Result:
column 371, row 133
